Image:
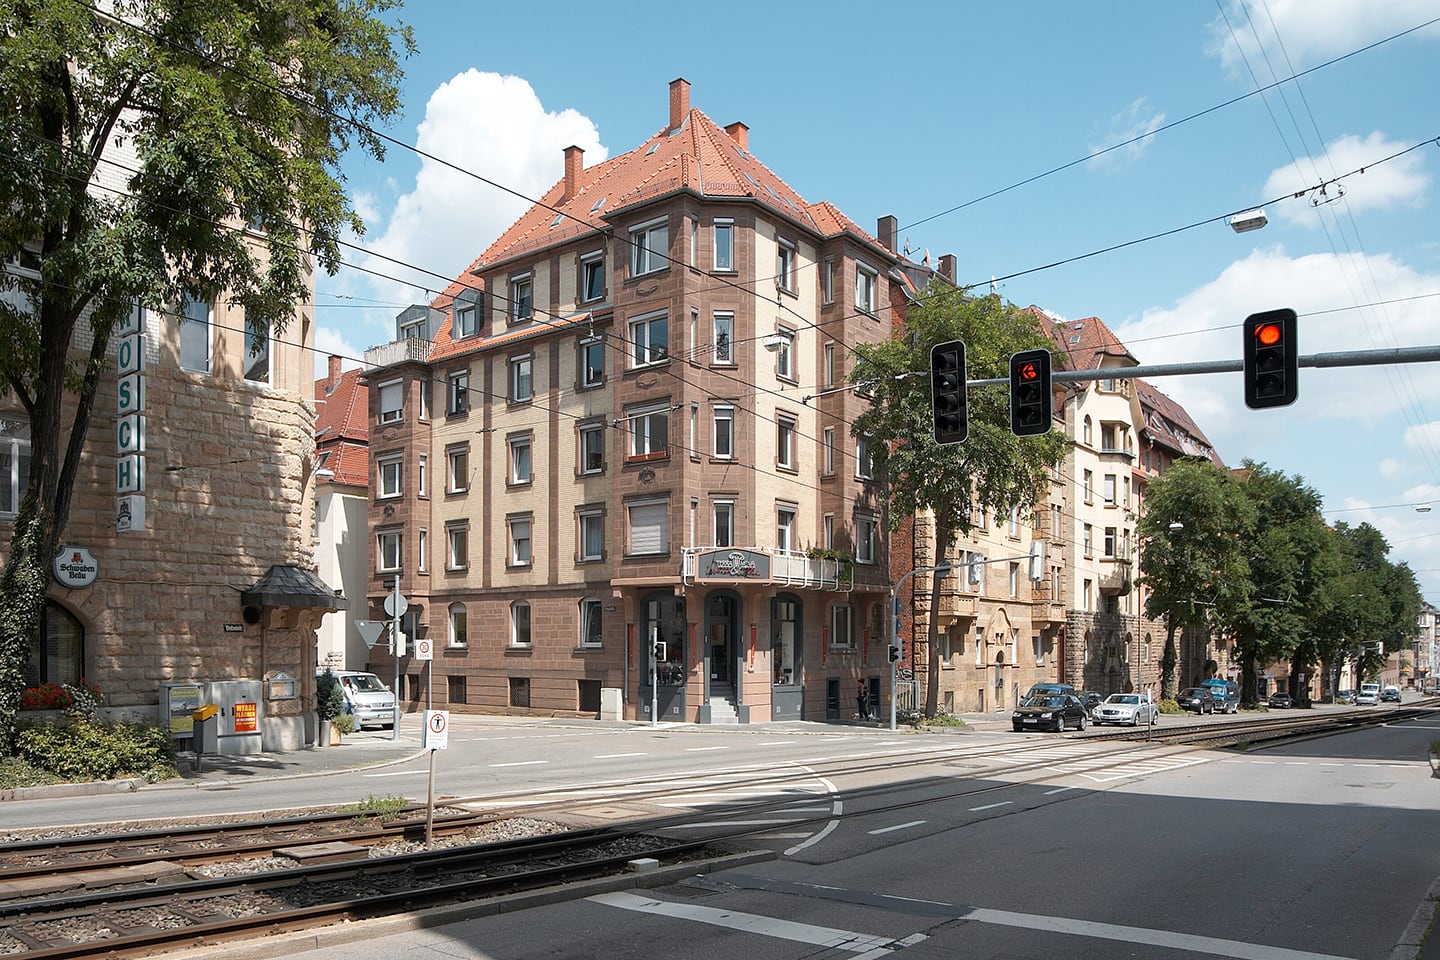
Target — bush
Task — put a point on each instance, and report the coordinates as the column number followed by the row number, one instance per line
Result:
column 77, row 750
column 329, row 698
column 83, row 696
column 345, row 723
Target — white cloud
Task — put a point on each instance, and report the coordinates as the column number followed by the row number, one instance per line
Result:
column 1312, row 31
column 484, row 124
column 1135, row 121
column 1422, row 438
column 1398, row 182
column 329, row 341
column 1392, row 469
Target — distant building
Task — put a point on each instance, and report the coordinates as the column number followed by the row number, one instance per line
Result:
column 342, row 509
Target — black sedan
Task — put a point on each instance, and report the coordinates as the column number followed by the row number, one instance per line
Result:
column 1197, row 699
column 1280, row 701
column 1058, row 712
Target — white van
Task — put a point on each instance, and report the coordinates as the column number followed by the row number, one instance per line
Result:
column 367, row 699
column 1369, row 694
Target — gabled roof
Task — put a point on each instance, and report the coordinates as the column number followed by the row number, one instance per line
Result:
column 342, row 408
column 1088, row 344
column 1167, row 423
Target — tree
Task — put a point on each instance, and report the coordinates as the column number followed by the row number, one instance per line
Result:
column 1191, row 558
column 158, row 149
column 1372, row 604
column 1292, row 558
column 993, row 468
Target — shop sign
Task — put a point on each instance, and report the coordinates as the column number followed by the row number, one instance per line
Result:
column 733, row 565
column 75, row 567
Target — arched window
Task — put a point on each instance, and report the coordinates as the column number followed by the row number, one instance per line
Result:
column 590, row 632
column 459, row 632
column 1086, row 437
column 58, row 654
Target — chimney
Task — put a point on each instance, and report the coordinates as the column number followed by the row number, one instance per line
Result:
column 888, row 228
column 740, row 134
column 679, row 102
column 947, row 266
column 334, row 372
column 574, row 163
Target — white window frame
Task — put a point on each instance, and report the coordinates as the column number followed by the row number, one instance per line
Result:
column 592, row 612
column 592, row 448
column 656, row 514
column 785, row 355
column 457, row 546
column 457, row 392
column 590, row 519
column 522, row 378
column 785, row 430
column 592, row 361
column 390, row 476
column 592, row 265
column 830, row 364
column 644, row 350
column 723, row 340
column 1107, row 489
column 257, row 363
column 864, row 462
column 1112, row 542
column 650, row 243
column 827, row 282
column 15, row 443
column 866, row 283
column 723, row 428
column 520, row 540
column 522, row 460
column 724, row 227
column 389, row 545
column 465, row 324
column 867, row 530
column 422, row 541
column 191, row 318
column 422, row 476
column 842, row 626
column 786, row 518
column 785, row 256
column 643, row 423
column 522, row 297
column 722, row 529
column 827, row 453
column 391, row 395
column 457, row 625
column 522, row 626
column 457, row 469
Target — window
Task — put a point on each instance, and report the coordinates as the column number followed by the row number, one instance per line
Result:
column 590, row 632
column 1109, row 489
column 457, row 393
column 520, row 625
column 651, row 243
column 1107, row 385
column 521, row 298
column 1086, row 432
column 784, row 356
column 827, row 282
column 457, row 546
column 521, row 385
column 829, row 364
column 390, row 470
column 257, row 354
column 195, row 335
column 520, row 541
column 785, row 528
column 724, row 338
column 592, row 448
column 864, row 288
column 649, row 531
column 592, row 361
column 785, row 442
column 1013, row 581
column 827, row 460
column 391, row 401
column 1087, row 596
column 1087, row 486
column 649, row 340
column 592, row 533
column 785, row 266
column 592, row 267
column 1012, row 526
column 724, row 523
column 864, row 462
column 1110, row 541
column 724, row 244
column 1108, row 437
column 520, row 447
column 423, row 542
column 455, row 687
column 57, row 655
column 1039, row 647
column 520, row 691
column 724, row 433
column 387, row 550
column 425, row 399
column 1087, row 540
column 841, row 634
column 694, row 444
column 422, row 478
column 465, row 324
column 457, row 469
column 649, row 432
column 14, row 463
column 867, row 538
column 694, row 223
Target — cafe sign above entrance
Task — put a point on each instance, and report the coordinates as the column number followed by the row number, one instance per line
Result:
column 733, row 565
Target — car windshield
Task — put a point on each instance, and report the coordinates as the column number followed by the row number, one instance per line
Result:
column 1051, row 701
column 368, row 683
column 1194, row 692
column 1129, row 698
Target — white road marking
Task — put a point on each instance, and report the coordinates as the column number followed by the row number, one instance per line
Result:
column 703, row 749
column 831, row 937
column 991, row 806
column 400, row 773
column 776, row 743
column 898, row 826
column 520, row 763
column 616, row 756
column 1058, row 790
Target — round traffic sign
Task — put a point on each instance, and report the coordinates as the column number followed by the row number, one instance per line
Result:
column 394, row 601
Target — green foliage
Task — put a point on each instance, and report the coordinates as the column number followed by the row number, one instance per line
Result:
column 329, row 698
column 344, row 722
column 1170, row 705
column 387, row 808
column 76, row 750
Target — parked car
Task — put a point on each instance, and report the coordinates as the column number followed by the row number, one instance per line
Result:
column 367, row 698
column 1390, row 695
column 1058, row 712
column 1369, row 694
column 1131, row 708
column 1197, row 699
column 1345, row 696
column 1280, row 700
column 1048, row 690
column 1090, row 700
column 1226, row 694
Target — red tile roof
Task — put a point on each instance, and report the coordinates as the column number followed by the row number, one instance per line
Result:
column 342, row 426
column 1168, row 423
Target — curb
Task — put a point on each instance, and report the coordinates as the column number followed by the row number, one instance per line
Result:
column 1413, row 941
column 93, row 788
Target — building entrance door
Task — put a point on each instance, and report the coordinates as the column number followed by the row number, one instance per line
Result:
column 721, row 652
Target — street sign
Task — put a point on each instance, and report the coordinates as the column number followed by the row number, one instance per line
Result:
column 437, row 729
column 394, row 600
column 423, row 649
column 370, row 631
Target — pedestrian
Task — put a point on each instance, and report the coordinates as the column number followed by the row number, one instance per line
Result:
column 862, row 701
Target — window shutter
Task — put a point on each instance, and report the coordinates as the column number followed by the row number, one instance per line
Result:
column 648, row 528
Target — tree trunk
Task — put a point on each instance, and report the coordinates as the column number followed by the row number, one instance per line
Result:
column 1168, row 660
column 23, row 585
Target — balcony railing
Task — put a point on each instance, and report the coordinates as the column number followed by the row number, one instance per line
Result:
column 782, row 568
column 398, row 351
column 956, row 605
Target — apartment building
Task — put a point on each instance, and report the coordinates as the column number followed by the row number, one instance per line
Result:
column 342, row 511
column 620, row 479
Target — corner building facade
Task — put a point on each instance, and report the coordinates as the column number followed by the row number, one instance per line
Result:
column 620, row 480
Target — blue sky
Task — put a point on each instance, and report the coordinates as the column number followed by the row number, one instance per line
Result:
column 952, row 118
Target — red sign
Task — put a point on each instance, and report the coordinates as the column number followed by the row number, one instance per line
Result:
column 246, row 718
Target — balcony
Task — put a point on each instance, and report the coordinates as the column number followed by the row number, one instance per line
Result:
column 1047, row 603
column 767, row 565
column 955, row 605
column 389, row 354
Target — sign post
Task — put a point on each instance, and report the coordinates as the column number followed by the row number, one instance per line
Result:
column 437, row 737
column 396, row 605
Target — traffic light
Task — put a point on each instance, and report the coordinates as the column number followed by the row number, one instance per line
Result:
column 1030, row 397
column 948, row 411
column 894, row 652
column 1271, row 359
column 657, row 652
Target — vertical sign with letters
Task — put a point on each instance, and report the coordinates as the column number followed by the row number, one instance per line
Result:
column 130, row 422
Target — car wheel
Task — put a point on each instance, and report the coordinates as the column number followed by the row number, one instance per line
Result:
column 1080, row 724
column 1017, row 727
column 1059, row 724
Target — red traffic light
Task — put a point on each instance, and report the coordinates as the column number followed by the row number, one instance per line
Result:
column 1268, row 334
column 1028, row 371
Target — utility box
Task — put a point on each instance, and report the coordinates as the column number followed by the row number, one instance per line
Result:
column 203, row 729
column 235, row 725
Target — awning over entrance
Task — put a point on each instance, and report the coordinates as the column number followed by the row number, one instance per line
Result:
column 287, row 586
